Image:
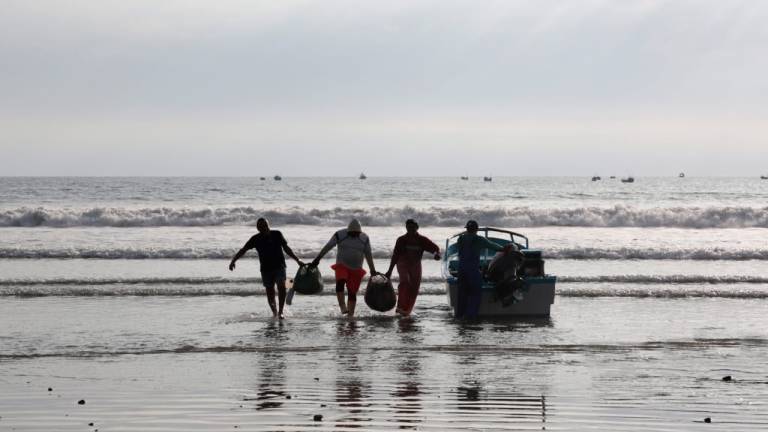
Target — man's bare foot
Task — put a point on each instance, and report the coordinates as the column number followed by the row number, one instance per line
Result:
column 280, row 316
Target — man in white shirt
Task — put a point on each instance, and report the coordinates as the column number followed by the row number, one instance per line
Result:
column 353, row 246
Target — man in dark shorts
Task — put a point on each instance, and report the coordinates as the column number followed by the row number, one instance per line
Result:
column 270, row 246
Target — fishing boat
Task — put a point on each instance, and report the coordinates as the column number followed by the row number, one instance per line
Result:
column 464, row 178
column 277, row 178
column 262, row 178
column 629, row 179
column 532, row 290
column 764, row 177
column 596, row 178
column 363, row 176
column 488, row 179
column 681, row 175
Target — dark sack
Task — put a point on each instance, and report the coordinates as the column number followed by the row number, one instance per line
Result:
column 379, row 294
column 308, row 281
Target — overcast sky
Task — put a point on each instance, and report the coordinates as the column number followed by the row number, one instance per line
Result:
column 573, row 87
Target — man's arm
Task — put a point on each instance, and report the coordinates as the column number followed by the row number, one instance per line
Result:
column 289, row 251
column 429, row 246
column 491, row 245
column 328, row 246
column 248, row 245
column 369, row 257
column 395, row 257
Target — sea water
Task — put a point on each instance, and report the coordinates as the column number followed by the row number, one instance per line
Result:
column 117, row 290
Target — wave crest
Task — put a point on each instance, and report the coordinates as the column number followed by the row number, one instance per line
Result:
column 616, row 216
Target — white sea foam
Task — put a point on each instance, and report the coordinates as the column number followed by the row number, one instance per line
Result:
column 694, row 254
column 614, row 216
column 214, row 281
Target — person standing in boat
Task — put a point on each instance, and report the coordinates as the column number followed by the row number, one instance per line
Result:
column 270, row 245
column 353, row 247
column 470, row 247
column 407, row 255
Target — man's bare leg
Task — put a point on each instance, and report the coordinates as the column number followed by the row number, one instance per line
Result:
column 281, row 298
column 340, row 296
column 271, row 299
column 351, row 304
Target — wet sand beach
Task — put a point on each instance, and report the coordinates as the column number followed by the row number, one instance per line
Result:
column 219, row 363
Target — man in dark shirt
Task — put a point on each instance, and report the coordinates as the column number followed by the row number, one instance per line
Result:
column 270, row 246
column 409, row 249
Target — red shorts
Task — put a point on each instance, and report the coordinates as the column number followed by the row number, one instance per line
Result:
column 353, row 277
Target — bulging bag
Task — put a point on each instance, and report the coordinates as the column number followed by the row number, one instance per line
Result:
column 308, row 280
column 379, row 294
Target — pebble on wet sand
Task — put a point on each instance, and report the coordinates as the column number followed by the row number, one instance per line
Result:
column 81, row 402
column 318, row 417
column 727, row 378
column 707, row 420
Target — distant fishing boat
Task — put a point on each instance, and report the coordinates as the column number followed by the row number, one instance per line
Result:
column 763, row 177
column 277, row 178
column 488, row 179
column 262, row 178
column 596, row 178
column 681, row 175
column 629, row 179
column 613, row 177
column 363, row 176
column 464, row 178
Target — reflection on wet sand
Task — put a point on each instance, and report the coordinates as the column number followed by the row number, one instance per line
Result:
column 271, row 392
column 406, row 404
column 351, row 391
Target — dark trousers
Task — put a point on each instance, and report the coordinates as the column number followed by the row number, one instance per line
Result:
column 468, row 294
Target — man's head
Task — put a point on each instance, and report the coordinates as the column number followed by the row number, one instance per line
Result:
column 354, row 228
column 262, row 225
column 472, row 226
column 411, row 226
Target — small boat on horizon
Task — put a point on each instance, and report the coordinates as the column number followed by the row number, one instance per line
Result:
column 277, row 178
column 487, row 179
column 613, row 177
column 363, row 176
column 262, row 178
column 764, row 177
column 464, row 178
column 596, row 178
column 629, row 179
column 681, row 175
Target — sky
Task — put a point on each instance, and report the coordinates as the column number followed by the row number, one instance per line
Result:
column 389, row 88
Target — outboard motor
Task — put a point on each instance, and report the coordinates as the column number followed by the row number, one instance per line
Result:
column 503, row 272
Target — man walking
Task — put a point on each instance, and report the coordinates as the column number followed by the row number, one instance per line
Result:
column 270, row 245
column 353, row 246
column 409, row 249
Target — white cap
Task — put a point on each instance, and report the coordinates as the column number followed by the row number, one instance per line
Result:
column 354, row 226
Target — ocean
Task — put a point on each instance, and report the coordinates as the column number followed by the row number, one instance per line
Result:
column 116, row 291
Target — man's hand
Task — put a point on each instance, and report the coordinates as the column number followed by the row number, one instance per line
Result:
column 437, row 256
column 388, row 274
column 231, row 266
column 301, row 263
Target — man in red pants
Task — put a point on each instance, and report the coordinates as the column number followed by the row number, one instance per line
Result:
column 409, row 249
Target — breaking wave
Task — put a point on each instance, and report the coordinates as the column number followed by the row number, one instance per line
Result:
column 329, row 280
column 696, row 254
column 616, row 216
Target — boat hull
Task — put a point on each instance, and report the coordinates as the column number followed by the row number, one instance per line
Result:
column 538, row 297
